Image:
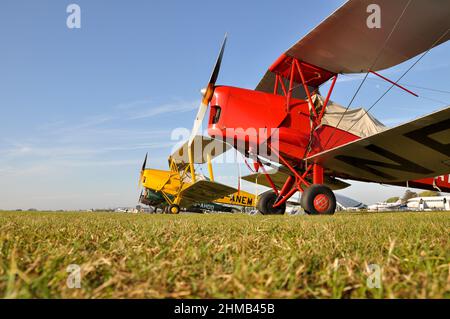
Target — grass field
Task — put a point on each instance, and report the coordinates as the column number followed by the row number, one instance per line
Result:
column 224, row 256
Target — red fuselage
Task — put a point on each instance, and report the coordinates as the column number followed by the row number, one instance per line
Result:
column 253, row 111
column 236, row 112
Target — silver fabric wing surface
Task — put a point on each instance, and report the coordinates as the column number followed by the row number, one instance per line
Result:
column 412, row 151
column 344, row 43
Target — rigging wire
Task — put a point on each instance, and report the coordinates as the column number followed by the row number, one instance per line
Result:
column 371, row 67
column 425, row 88
column 396, row 82
column 435, row 100
column 404, row 84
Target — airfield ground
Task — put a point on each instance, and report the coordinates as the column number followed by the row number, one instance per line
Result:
column 223, row 256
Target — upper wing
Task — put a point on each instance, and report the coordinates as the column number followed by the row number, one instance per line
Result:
column 343, row 43
column 204, row 192
column 415, row 150
column 201, row 147
column 279, row 178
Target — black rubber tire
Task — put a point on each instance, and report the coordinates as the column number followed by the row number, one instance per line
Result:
column 311, row 194
column 266, row 202
column 174, row 209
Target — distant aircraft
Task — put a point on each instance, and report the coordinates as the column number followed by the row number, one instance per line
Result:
column 384, row 207
column 181, row 188
column 429, row 203
column 348, row 204
column 320, row 142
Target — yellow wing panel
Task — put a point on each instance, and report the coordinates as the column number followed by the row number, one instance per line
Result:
column 204, row 192
column 241, row 198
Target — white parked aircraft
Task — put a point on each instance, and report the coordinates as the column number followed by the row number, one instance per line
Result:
column 384, row 207
column 429, row 203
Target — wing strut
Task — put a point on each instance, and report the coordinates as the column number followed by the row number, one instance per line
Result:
column 393, row 83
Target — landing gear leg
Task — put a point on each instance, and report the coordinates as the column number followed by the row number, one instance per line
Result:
column 318, row 200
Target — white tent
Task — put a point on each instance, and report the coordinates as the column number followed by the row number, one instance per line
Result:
column 356, row 121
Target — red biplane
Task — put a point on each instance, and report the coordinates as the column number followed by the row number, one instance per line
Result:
column 319, row 141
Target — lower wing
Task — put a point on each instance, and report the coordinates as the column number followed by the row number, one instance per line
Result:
column 204, row 192
column 279, row 177
column 415, row 150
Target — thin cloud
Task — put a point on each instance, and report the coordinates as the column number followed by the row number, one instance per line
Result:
column 76, row 151
column 164, row 109
column 133, row 104
column 119, row 112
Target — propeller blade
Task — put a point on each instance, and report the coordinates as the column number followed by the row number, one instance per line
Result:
column 208, row 94
column 216, row 70
column 141, row 175
column 198, row 121
column 144, row 165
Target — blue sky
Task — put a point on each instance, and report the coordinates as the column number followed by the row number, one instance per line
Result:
column 80, row 108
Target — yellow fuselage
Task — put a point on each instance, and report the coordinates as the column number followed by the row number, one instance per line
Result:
column 170, row 183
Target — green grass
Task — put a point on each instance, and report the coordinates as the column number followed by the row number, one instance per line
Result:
column 224, row 256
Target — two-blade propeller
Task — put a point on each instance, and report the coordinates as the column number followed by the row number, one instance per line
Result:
column 207, row 94
column 141, row 175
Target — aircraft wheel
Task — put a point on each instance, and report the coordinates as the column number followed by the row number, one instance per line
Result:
column 318, row 200
column 174, row 209
column 266, row 202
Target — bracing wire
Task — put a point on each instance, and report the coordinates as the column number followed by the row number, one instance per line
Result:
column 371, row 67
column 396, row 82
column 405, row 84
column 425, row 88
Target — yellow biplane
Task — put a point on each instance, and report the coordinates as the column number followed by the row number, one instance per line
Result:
column 181, row 187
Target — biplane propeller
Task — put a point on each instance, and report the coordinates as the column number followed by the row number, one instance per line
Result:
column 207, row 95
column 319, row 141
column 144, row 165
